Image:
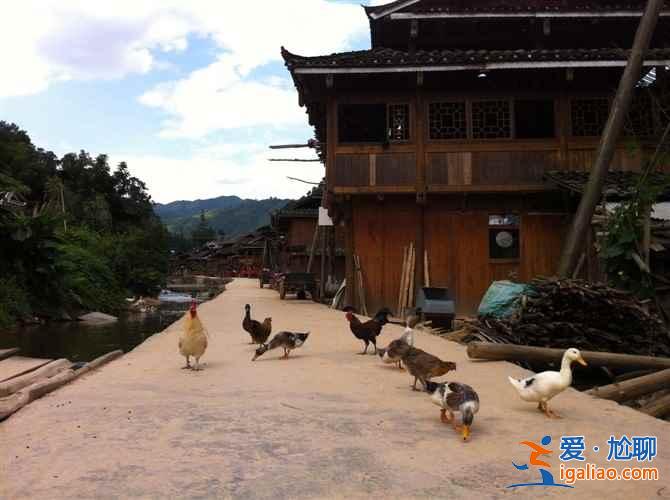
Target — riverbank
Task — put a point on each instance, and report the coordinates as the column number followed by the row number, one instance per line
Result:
column 325, row 423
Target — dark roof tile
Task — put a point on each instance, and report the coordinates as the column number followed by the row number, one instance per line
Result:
column 384, row 57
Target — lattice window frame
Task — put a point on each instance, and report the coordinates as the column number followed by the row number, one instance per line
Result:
column 389, row 124
column 573, row 100
column 634, row 124
column 510, row 119
column 466, row 120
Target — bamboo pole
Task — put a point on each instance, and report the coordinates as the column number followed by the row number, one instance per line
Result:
column 510, row 352
column 402, row 280
column 412, row 263
column 593, row 190
column 631, row 389
column 426, row 269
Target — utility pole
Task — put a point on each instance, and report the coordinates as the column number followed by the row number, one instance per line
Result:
column 593, row 191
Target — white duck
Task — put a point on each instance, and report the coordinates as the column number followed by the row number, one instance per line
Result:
column 543, row 386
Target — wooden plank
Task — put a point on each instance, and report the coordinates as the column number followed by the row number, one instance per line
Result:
column 398, row 169
column 7, row 353
column 19, row 365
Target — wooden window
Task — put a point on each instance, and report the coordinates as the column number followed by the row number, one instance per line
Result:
column 361, row 122
column 534, row 119
column 589, row 116
column 398, row 122
column 491, row 119
column 504, row 237
column 373, row 123
column 447, row 120
column 640, row 119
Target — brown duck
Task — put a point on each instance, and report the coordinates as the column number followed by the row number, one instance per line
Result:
column 258, row 331
column 421, row 365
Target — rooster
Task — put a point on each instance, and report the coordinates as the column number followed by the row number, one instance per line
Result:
column 259, row 331
column 193, row 340
column 370, row 330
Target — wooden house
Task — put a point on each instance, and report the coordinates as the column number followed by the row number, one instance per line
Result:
column 442, row 133
column 297, row 222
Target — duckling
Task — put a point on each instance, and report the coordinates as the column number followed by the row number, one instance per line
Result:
column 389, row 356
column 543, row 386
column 421, row 365
column 455, row 397
column 287, row 340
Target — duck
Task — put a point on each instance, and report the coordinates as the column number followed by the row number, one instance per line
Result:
column 454, row 397
column 543, row 386
column 258, row 331
column 420, row 364
column 390, row 356
column 414, row 319
column 287, row 340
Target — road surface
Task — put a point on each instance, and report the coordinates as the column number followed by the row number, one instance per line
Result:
column 326, row 423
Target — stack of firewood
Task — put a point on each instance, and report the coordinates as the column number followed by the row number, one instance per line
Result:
column 575, row 313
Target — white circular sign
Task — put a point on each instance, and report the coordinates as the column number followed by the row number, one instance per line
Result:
column 504, row 239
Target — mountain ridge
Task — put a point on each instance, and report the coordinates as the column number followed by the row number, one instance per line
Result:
column 231, row 214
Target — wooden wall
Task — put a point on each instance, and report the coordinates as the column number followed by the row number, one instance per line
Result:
column 457, row 241
column 301, row 232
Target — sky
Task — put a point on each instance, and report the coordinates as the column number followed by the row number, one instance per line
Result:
column 189, row 93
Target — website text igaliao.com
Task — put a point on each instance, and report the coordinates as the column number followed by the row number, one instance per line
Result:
column 591, row 472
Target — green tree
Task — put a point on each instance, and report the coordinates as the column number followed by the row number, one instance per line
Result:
column 203, row 233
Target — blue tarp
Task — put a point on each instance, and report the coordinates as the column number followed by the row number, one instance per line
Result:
column 502, row 299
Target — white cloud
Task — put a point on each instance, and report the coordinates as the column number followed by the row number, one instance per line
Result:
column 220, row 170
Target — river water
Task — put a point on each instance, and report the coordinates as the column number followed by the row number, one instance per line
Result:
column 78, row 341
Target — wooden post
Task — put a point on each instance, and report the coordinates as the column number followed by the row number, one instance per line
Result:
column 419, row 248
column 634, row 388
column 606, row 149
column 350, row 292
column 509, row 352
column 322, row 283
column 312, row 250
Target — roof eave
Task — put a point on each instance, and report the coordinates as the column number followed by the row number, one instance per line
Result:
column 379, row 12
column 472, row 67
column 398, row 16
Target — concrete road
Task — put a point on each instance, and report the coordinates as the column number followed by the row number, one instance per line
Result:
column 326, row 423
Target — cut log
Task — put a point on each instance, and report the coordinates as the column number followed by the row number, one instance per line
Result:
column 8, row 353
column 631, row 389
column 98, row 362
column 42, row 387
column 49, row 370
column 658, row 408
column 35, row 391
column 509, row 352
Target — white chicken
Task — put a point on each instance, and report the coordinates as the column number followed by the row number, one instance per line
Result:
column 193, row 340
column 541, row 387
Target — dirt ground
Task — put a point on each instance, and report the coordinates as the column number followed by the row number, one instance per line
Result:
column 326, row 423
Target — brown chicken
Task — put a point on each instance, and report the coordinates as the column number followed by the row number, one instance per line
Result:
column 259, row 331
column 420, row 364
column 368, row 331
